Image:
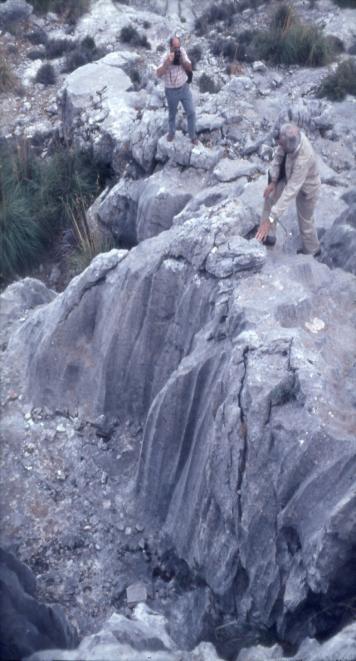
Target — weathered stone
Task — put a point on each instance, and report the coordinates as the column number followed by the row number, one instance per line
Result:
column 204, row 158
column 178, row 151
column 229, row 170
column 13, row 11
column 28, row 625
column 135, row 594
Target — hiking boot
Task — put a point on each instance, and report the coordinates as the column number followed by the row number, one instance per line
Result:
column 170, row 137
column 270, row 240
column 302, row 251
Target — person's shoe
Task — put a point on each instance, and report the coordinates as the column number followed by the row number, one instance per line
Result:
column 302, row 251
column 195, row 141
column 170, row 137
column 270, row 240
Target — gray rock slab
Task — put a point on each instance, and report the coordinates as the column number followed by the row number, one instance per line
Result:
column 136, row 593
column 209, row 122
column 229, row 170
column 205, row 158
column 341, row 646
column 143, row 636
column 178, row 151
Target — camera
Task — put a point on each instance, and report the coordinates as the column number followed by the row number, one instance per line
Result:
column 176, row 60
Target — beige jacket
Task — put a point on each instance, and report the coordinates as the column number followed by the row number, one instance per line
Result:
column 301, row 175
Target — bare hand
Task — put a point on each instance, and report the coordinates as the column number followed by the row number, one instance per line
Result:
column 270, row 189
column 263, row 230
column 170, row 58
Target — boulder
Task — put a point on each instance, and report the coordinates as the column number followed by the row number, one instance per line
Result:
column 14, row 11
column 26, row 624
column 341, row 646
column 229, row 170
column 339, row 242
column 97, row 109
column 136, row 210
column 142, row 636
column 178, row 151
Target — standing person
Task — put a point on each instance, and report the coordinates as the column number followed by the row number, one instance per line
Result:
column 173, row 69
column 294, row 175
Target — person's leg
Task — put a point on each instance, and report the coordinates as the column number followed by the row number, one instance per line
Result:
column 186, row 98
column 305, row 211
column 172, row 101
column 268, row 204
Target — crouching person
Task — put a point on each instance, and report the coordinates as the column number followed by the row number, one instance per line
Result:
column 174, row 69
column 293, row 175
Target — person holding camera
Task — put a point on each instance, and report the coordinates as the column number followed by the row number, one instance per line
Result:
column 175, row 69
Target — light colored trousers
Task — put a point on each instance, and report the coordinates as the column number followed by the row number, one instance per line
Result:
column 305, row 212
column 184, row 95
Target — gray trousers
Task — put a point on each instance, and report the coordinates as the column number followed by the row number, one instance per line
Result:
column 174, row 96
column 305, row 213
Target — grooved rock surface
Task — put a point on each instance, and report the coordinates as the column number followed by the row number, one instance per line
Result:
column 235, row 368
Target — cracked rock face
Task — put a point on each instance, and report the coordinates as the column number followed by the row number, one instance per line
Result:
column 227, row 361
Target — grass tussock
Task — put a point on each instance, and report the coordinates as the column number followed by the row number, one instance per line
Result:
column 38, row 199
column 287, row 41
column 8, row 80
column 290, row 41
column 88, row 243
column 340, row 83
column 71, row 10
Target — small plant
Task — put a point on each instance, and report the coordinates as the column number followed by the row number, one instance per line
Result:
column 83, row 54
column 46, row 74
column 129, row 35
column 37, row 37
column 340, row 83
column 71, row 10
column 346, row 3
column 207, row 84
column 89, row 244
column 195, row 54
column 57, row 47
column 290, row 41
column 37, row 199
column 223, row 12
column 36, row 54
column 8, row 79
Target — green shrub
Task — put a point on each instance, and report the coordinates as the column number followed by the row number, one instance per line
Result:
column 36, row 54
column 46, row 74
column 340, row 83
column 290, row 41
column 38, row 199
column 69, row 9
column 57, row 47
column 7, row 77
column 223, row 12
column 194, row 54
column 129, row 35
column 346, row 3
column 85, row 52
column 207, row 84
column 37, row 37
